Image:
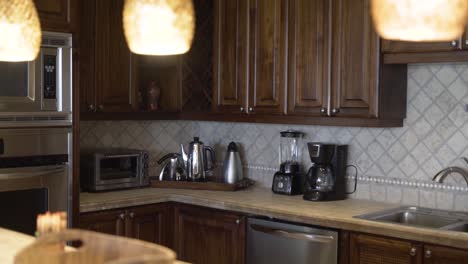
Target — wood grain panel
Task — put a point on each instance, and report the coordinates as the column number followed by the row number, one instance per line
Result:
column 355, row 60
column 147, row 223
column 108, row 222
column 444, row 255
column 308, row 56
column 267, row 67
column 390, row 46
column 57, row 15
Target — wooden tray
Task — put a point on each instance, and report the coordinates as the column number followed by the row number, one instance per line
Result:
column 212, row 186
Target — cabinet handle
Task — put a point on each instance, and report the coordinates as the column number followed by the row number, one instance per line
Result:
column 238, row 221
column 251, row 109
column 122, row 216
column 335, row 111
column 428, row 254
column 454, row 43
column 241, row 109
column 413, row 252
column 132, row 214
column 323, row 110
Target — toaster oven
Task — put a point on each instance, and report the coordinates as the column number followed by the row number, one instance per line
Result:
column 111, row 169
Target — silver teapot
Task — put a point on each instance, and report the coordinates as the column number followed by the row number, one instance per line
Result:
column 197, row 164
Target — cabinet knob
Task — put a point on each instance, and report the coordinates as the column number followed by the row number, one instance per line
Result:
column 454, row 43
column 241, row 109
column 335, row 111
column 466, row 42
column 122, row 216
column 413, row 251
column 428, row 254
column 323, row 110
column 91, row 107
column 238, row 221
column 132, row 214
column 251, row 109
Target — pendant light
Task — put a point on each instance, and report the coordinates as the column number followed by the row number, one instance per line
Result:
column 159, row 27
column 20, row 30
column 416, row 20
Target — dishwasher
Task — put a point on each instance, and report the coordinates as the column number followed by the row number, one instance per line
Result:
column 277, row 242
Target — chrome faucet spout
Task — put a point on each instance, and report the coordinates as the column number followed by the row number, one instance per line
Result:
column 441, row 175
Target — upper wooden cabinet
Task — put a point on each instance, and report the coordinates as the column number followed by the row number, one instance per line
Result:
column 107, row 67
column 57, row 15
column 366, row 249
column 209, row 236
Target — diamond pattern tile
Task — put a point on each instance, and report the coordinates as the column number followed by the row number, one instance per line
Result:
column 434, row 136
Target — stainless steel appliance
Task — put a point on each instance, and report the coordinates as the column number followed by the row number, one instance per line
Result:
column 289, row 179
column 35, row 175
column 174, row 169
column 196, row 160
column 232, row 166
column 325, row 180
column 38, row 93
column 111, row 169
column 270, row 242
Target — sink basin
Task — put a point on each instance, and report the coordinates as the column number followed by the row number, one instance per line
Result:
column 421, row 217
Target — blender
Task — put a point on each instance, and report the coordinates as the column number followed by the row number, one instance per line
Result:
column 289, row 179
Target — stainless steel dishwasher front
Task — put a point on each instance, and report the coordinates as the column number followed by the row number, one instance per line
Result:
column 277, row 243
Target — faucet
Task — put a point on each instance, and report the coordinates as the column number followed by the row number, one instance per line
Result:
column 441, row 175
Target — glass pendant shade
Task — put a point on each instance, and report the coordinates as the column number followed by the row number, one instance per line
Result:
column 159, row 27
column 20, row 30
column 416, row 20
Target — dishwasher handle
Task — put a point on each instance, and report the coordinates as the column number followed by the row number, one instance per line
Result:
column 293, row 235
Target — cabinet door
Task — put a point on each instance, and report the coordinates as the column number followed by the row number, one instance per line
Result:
column 56, row 15
column 355, row 60
column 365, row 249
column 209, row 236
column 390, row 46
column 115, row 65
column 109, row 222
column 308, row 56
column 147, row 223
column 230, row 53
column 444, row 255
column 267, row 65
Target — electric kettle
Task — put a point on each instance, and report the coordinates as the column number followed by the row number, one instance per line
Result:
column 196, row 160
column 232, row 166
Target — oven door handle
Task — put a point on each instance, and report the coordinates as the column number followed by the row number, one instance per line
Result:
column 293, row 235
column 28, row 172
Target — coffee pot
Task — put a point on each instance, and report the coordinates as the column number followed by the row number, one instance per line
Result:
column 174, row 169
column 196, row 162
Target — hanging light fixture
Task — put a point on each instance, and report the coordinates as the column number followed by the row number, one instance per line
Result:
column 20, row 30
column 416, row 20
column 159, row 27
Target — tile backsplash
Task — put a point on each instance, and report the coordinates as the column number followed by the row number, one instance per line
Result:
column 395, row 164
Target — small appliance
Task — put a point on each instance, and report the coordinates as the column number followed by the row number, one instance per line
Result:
column 232, row 166
column 289, row 180
column 325, row 180
column 196, row 161
column 111, row 169
column 174, row 169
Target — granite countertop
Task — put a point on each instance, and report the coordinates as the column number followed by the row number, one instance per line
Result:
column 261, row 201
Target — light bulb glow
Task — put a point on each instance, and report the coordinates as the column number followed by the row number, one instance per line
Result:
column 416, row 20
column 20, row 30
column 159, row 27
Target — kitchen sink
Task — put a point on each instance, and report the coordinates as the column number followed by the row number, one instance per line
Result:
column 421, row 217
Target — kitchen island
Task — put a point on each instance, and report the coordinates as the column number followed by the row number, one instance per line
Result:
column 11, row 243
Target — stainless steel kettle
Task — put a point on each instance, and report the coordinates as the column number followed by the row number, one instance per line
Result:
column 232, row 166
column 196, row 160
column 174, row 169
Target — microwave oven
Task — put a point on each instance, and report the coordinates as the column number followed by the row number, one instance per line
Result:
column 112, row 169
column 39, row 92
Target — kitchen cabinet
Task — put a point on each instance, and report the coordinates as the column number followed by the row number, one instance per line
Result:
column 444, row 255
column 209, row 236
column 57, row 15
column 149, row 223
column 107, row 67
column 366, row 249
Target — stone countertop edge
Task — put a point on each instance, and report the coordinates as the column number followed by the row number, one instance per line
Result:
column 262, row 202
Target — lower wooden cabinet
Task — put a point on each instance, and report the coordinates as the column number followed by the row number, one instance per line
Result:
column 444, row 255
column 149, row 223
column 207, row 236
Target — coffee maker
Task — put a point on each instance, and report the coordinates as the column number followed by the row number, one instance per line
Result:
column 289, row 179
column 325, row 180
